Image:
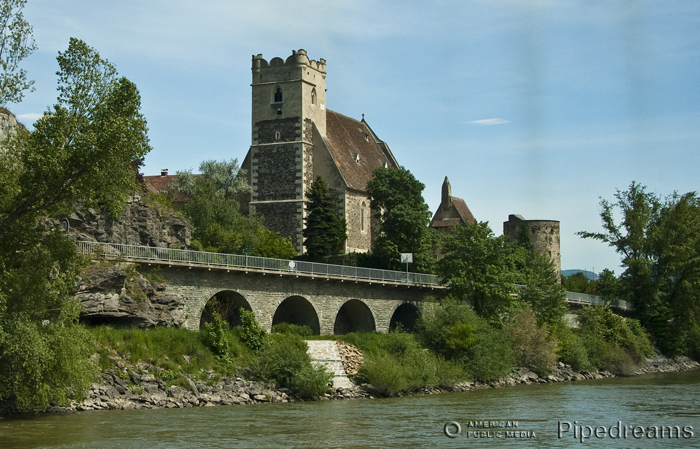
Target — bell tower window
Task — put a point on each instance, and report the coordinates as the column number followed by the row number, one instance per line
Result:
column 278, row 95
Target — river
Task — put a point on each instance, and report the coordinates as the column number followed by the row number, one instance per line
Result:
column 540, row 412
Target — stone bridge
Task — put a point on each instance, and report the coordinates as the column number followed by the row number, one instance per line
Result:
column 327, row 305
column 330, row 299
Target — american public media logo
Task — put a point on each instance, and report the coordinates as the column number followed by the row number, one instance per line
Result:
column 487, row 429
column 567, row 430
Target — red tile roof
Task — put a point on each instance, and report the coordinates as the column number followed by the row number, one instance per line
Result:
column 356, row 150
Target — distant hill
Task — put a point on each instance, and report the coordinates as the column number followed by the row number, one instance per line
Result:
column 589, row 274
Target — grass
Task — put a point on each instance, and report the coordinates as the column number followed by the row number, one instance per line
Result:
column 176, row 352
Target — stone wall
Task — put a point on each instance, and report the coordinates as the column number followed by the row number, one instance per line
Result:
column 288, row 128
column 283, row 218
column 359, row 233
column 275, row 172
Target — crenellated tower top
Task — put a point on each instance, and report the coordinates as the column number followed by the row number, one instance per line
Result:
column 287, row 89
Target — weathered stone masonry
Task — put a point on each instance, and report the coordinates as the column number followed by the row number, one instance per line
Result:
column 265, row 293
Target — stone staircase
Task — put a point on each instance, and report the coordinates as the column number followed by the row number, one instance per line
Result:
column 326, row 353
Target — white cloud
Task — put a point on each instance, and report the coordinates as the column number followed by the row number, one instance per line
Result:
column 29, row 118
column 490, row 121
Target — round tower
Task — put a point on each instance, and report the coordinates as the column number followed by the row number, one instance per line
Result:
column 543, row 234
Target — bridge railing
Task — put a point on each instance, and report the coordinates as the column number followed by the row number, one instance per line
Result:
column 157, row 254
column 582, row 298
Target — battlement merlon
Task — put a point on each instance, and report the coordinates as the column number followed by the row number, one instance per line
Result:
column 297, row 62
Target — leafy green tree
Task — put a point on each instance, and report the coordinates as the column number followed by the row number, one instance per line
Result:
column 326, row 230
column 81, row 150
column 659, row 241
column 607, row 284
column 541, row 291
column 453, row 330
column 397, row 201
column 213, row 209
column 478, row 266
column 16, row 44
column 579, row 282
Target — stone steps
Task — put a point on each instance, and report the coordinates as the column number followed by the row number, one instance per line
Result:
column 325, row 352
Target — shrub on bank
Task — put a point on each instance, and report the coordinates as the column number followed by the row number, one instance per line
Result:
column 532, row 344
column 283, row 359
column 612, row 342
column 454, row 331
column 396, row 362
column 570, row 348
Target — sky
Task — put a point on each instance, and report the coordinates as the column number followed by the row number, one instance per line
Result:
column 534, row 107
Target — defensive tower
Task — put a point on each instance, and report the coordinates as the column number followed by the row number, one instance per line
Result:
column 289, row 98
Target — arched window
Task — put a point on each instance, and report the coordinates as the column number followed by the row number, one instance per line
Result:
column 278, row 95
column 313, row 96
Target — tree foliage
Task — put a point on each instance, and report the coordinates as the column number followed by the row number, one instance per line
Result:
column 477, row 266
column 326, row 231
column 397, row 201
column 213, row 209
column 659, row 241
column 16, row 44
column 81, row 150
column 453, row 330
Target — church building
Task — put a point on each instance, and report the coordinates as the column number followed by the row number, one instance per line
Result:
column 295, row 138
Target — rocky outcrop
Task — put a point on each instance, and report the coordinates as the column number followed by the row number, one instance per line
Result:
column 118, row 294
column 143, row 222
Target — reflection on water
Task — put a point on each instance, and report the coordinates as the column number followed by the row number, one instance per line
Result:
column 652, row 400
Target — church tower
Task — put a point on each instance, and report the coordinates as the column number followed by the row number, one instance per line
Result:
column 289, row 101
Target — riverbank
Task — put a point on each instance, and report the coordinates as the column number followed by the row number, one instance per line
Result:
column 127, row 387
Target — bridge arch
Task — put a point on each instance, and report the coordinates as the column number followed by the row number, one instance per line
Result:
column 297, row 310
column 229, row 304
column 405, row 315
column 354, row 316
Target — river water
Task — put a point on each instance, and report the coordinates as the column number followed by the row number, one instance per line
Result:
column 541, row 413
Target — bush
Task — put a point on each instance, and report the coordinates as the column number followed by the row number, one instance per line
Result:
column 284, row 360
column 384, row 373
column 612, row 342
column 396, row 362
column 311, row 380
column 532, row 346
column 289, row 328
column 570, row 348
column 214, row 335
column 252, row 335
column 454, row 331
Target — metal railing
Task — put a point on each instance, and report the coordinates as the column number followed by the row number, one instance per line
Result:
column 170, row 255
column 582, row 298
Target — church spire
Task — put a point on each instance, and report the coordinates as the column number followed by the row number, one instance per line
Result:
column 446, row 194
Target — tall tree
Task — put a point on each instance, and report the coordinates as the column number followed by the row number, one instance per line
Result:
column 478, row 266
column 397, row 201
column 659, row 241
column 213, row 209
column 326, row 231
column 81, row 150
column 16, row 43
